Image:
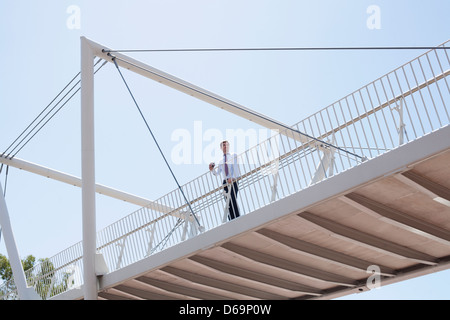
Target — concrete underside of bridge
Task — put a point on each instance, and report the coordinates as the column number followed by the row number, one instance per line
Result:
column 390, row 215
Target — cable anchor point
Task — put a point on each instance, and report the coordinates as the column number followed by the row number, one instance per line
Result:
column 113, row 58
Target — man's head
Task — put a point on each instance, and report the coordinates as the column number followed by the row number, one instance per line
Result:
column 224, row 145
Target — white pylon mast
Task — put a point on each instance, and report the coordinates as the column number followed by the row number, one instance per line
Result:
column 88, row 170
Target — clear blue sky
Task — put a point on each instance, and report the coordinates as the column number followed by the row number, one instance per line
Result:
column 40, row 54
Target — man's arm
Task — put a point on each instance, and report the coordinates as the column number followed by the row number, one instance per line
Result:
column 214, row 170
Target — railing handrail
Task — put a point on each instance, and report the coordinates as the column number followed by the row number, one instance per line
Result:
column 385, row 104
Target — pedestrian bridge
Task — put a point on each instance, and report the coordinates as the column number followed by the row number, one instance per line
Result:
column 353, row 197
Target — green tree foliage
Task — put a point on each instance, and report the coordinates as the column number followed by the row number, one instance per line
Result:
column 5, row 267
column 6, row 273
column 43, row 278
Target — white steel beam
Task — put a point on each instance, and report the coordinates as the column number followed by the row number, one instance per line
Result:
column 323, row 253
column 325, row 166
column 432, row 189
column 255, row 276
column 366, row 240
column 282, row 264
column 75, row 181
column 162, row 77
column 24, row 292
column 397, row 218
column 177, row 290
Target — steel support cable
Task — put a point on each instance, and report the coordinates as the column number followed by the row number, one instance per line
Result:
column 36, row 132
column 321, row 142
column 35, row 119
column 156, row 142
column 45, row 116
column 283, row 49
column 164, row 240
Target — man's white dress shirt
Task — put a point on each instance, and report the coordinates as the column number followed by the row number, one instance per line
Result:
column 233, row 167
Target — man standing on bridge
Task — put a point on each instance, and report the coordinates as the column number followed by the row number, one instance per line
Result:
column 229, row 168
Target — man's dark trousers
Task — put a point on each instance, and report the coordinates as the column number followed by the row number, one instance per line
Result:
column 233, row 210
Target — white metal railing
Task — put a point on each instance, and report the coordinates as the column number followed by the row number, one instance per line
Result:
column 403, row 105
